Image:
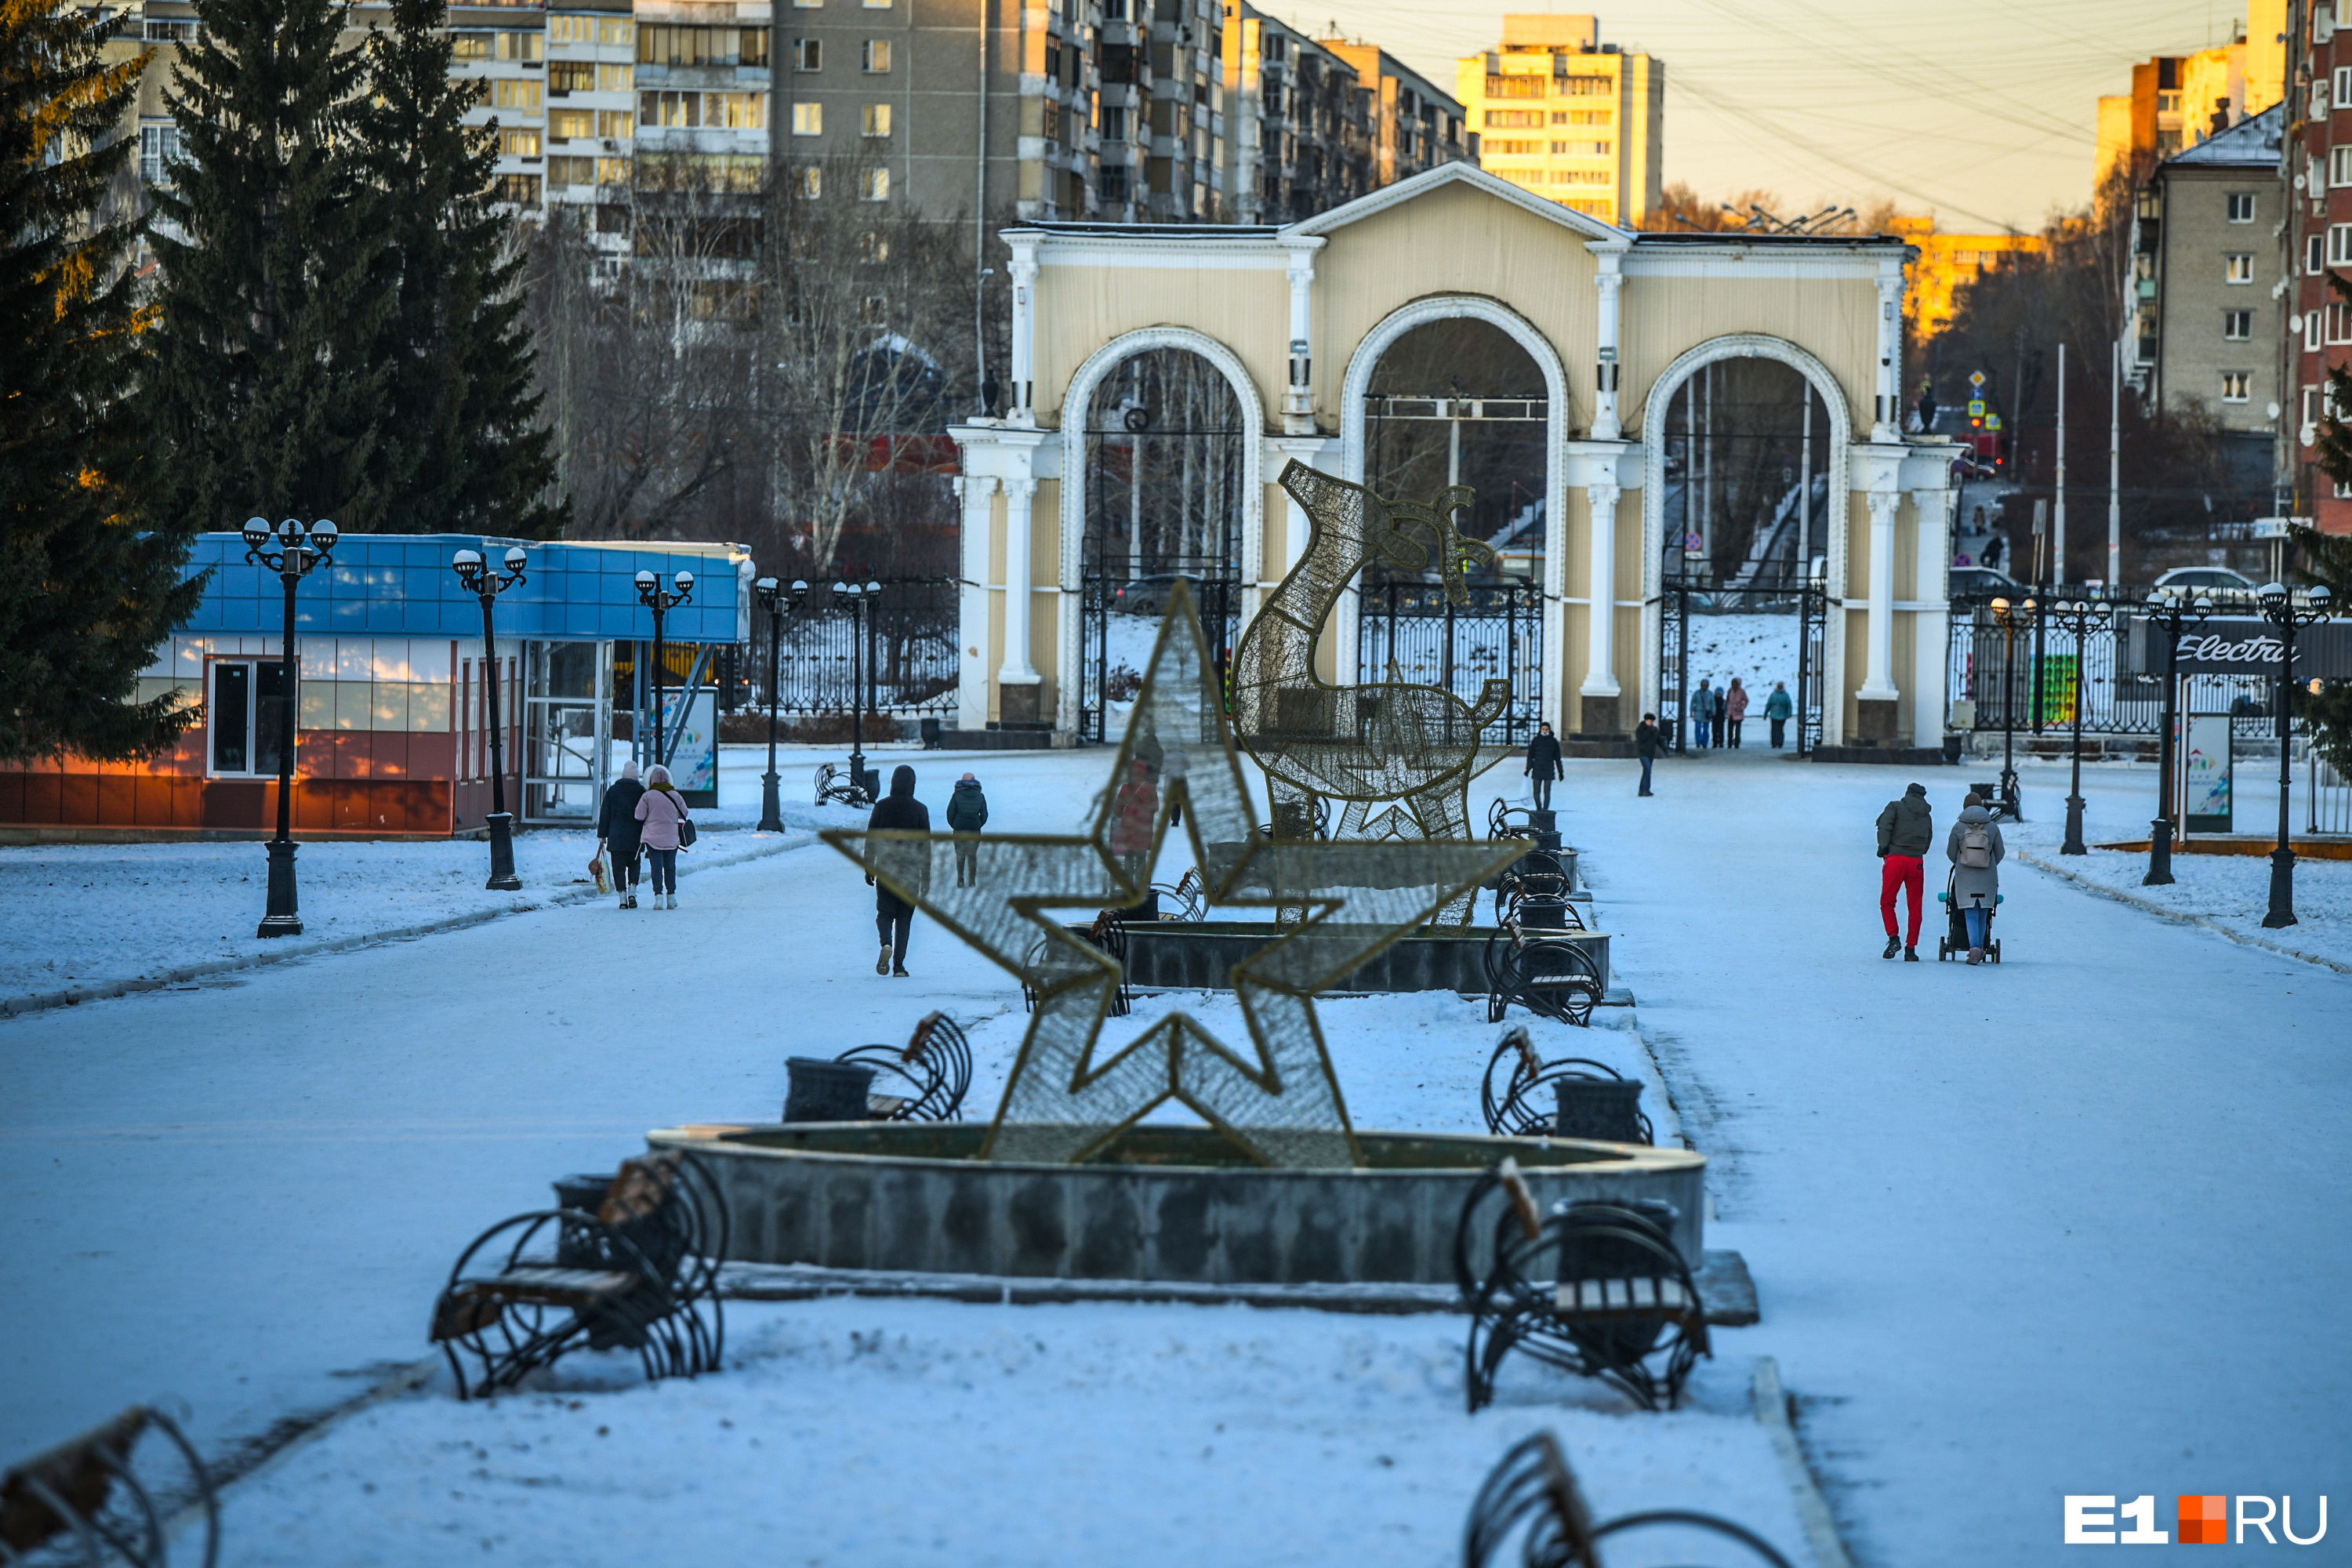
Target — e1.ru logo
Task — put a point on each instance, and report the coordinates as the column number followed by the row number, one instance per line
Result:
column 2203, row 1520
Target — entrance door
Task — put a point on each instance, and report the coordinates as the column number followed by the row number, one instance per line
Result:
column 246, row 715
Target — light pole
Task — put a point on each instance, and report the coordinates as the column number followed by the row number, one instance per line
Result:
column 300, row 551
column 2010, row 617
column 2080, row 616
column 2281, row 609
column 2169, row 613
column 979, row 339
column 486, row 583
column 775, row 598
column 858, row 598
column 661, row 602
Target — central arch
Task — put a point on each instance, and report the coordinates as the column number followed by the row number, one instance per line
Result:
column 1655, row 408
column 1356, row 387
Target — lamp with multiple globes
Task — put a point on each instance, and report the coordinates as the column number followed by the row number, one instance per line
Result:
column 486, row 583
column 293, row 549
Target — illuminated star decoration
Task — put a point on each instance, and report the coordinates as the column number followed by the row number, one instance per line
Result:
column 1065, row 1103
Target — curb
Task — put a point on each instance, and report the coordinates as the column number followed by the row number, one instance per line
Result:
column 1813, row 1508
column 2181, row 917
column 17, row 1006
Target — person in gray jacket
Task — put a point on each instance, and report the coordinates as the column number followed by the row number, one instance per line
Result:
column 1974, row 848
column 1905, row 829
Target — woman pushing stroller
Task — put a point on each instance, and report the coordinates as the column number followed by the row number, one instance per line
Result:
column 1974, row 848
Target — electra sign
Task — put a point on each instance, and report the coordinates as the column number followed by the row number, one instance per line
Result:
column 2248, row 647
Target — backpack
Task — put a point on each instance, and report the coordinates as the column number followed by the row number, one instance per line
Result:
column 1976, row 844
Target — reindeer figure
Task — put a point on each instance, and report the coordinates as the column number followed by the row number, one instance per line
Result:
column 1389, row 742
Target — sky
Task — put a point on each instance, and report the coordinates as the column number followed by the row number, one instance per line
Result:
column 1984, row 111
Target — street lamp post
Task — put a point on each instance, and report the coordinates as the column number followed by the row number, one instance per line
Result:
column 2281, row 609
column 300, row 551
column 661, row 602
column 2080, row 616
column 859, row 599
column 775, row 598
column 2169, row 613
column 486, row 583
column 2010, row 617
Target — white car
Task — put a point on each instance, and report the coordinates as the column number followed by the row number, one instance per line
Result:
column 2206, row 577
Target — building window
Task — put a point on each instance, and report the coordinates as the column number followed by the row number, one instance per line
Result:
column 808, row 119
column 570, row 76
column 1114, row 186
column 874, row 119
column 812, row 181
column 563, row 124
column 522, row 46
column 469, row 45
column 1584, row 86
column 159, row 148
column 613, row 124
column 1513, row 119
column 2311, row 405
column 1493, row 148
column 1581, row 149
column 2311, row 332
column 516, row 190
column 518, row 144
column 565, row 173
column 1516, row 86
column 2314, row 259
column 515, row 95
column 2238, row 267
column 873, row 186
column 873, row 246
column 2339, row 174
column 2339, row 322
column 2238, row 326
column 874, row 58
column 2233, row 385
column 1114, row 124
column 2241, row 206
column 808, row 53
column 246, row 715
column 715, row 111
column 2340, row 244
column 873, row 311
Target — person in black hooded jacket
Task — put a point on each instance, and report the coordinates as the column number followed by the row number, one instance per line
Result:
column 893, row 916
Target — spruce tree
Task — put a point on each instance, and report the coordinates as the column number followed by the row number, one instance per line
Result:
column 462, row 449
column 87, row 593
column 264, row 394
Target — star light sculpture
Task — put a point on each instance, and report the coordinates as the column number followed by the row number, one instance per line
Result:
column 1068, row 1099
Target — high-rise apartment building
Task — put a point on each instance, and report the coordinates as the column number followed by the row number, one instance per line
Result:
column 1301, row 137
column 1567, row 116
column 2178, row 100
column 1413, row 124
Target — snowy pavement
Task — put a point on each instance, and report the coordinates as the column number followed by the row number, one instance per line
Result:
column 1998, row 1254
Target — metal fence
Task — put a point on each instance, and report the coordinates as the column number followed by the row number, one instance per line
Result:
column 909, row 665
column 2330, row 795
column 2024, row 680
column 1497, row 636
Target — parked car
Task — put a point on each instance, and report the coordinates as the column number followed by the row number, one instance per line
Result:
column 2206, row 577
column 1982, row 583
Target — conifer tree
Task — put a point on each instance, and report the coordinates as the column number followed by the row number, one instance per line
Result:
column 264, row 394
column 87, row 593
column 462, row 451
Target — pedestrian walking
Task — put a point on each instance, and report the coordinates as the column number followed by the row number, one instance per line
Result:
column 1543, row 765
column 1735, row 709
column 1905, row 829
column 1647, row 744
column 1133, row 815
column 1715, row 716
column 616, row 832
column 967, row 812
column 1702, row 705
column 893, row 916
column 1777, row 709
column 661, row 811
column 1974, row 848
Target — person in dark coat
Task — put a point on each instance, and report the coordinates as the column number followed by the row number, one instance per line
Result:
column 893, row 916
column 967, row 812
column 1975, row 849
column 616, row 832
column 1905, row 829
column 1647, row 744
column 1702, row 709
column 1543, row 765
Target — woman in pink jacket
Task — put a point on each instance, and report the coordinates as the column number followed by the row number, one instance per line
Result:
column 661, row 808
column 1735, row 709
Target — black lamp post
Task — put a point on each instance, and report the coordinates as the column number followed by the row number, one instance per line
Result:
column 2282, row 611
column 859, row 598
column 300, row 551
column 661, row 602
column 775, row 596
column 486, row 583
column 2010, row 618
column 2169, row 613
column 2080, row 616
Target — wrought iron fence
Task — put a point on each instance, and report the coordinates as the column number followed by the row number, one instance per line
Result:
column 909, row 665
column 2330, row 795
column 1497, row 636
column 2024, row 681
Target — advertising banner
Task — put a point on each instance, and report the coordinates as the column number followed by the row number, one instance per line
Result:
column 2205, row 769
column 690, row 732
column 2247, row 648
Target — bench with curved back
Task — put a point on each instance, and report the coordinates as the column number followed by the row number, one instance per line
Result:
column 87, row 1491
column 925, row 1080
column 1547, row 973
column 1516, row 1108
column 641, row 1273
column 1533, row 1496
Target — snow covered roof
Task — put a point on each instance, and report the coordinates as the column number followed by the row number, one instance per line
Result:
column 2252, row 144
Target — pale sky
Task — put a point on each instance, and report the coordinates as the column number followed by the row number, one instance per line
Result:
column 1982, row 111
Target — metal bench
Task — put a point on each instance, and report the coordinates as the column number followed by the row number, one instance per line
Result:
column 831, row 787
column 84, row 1502
column 1551, row 977
column 1190, row 900
column 641, row 1273
column 927, row 1077
column 1533, row 1496
column 1534, row 892
column 1595, row 1289
column 1517, row 1107
column 1106, row 935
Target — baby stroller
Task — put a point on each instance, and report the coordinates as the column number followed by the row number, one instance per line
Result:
column 1954, row 942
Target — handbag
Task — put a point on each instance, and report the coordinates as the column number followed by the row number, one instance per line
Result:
column 596, row 869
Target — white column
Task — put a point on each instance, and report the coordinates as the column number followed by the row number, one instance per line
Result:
column 1299, row 396
column 1886, row 424
column 1609, row 280
column 1600, row 643
column 1878, row 670
column 1025, row 332
column 1016, row 669
column 977, row 492
column 1930, row 680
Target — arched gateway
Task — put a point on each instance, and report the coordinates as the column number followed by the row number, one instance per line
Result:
column 1294, row 321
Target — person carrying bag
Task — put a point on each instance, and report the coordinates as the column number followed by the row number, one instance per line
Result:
column 665, row 829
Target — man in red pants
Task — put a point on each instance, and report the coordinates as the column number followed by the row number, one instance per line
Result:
column 1905, row 829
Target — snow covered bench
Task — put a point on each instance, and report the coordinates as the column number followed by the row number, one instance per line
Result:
column 1594, row 1287
column 640, row 1273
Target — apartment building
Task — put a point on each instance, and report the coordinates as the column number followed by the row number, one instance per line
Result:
column 2318, row 248
column 1302, row 138
column 2178, row 100
column 1414, row 125
column 1945, row 264
column 1568, row 117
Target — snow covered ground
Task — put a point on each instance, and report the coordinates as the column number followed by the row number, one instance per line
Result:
column 1998, row 1218
column 1758, row 649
